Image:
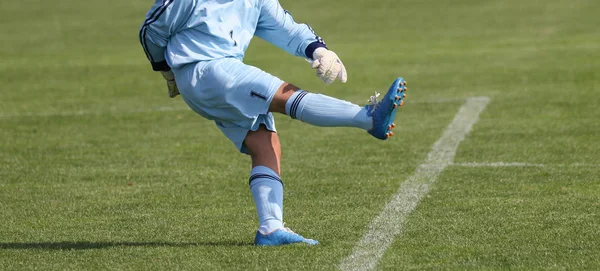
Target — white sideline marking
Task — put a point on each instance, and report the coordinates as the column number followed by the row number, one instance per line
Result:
column 519, row 164
column 388, row 224
column 115, row 110
column 499, row 164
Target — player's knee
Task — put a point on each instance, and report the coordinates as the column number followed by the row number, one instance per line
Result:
column 262, row 142
column 282, row 95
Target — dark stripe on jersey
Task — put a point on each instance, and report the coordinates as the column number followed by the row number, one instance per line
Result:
column 153, row 18
column 143, row 42
column 162, row 9
column 319, row 39
column 152, row 15
column 143, row 31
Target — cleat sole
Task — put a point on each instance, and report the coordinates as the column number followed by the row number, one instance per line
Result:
column 384, row 118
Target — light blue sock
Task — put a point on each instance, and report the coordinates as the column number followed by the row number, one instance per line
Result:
column 321, row 110
column 267, row 190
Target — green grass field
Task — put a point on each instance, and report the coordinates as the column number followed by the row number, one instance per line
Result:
column 99, row 169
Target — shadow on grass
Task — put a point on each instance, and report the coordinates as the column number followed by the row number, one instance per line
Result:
column 101, row 245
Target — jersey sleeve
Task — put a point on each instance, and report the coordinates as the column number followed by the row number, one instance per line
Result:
column 164, row 18
column 277, row 26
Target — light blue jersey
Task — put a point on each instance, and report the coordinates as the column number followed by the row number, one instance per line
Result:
column 204, row 41
column 178, row 32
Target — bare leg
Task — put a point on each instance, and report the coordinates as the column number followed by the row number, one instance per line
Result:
column 264, row 148
column 283, row 94
column 265, row 182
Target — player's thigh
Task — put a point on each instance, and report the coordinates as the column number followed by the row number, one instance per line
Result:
column 239, row 133
column 228, row 90
column 235, row 95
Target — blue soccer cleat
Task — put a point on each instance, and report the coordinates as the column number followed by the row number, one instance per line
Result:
column 281, row 237
column 384, row 112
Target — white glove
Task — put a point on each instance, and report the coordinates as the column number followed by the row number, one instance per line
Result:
column 171, row 84
column 329, row 66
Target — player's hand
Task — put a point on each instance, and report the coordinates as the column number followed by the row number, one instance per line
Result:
column 171, row 84
column 329, row 66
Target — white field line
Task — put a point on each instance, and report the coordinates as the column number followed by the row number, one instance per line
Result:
column 115, row 110
column 388, row 224
column 519, row 164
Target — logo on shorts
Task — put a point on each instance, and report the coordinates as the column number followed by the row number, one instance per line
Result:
column 257, row 95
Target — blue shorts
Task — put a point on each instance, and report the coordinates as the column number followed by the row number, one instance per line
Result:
column 235, row 95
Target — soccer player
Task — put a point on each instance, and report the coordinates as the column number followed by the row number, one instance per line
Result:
column 198, row 47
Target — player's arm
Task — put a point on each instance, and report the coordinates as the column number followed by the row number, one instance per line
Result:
column 162, row 20
column 277, row 26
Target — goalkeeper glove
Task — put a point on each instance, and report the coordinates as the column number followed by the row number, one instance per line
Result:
column 329, row 66
column 171, row 84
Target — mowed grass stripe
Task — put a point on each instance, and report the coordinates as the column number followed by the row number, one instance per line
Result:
column 183, row 107
column 388, row 224
column 521, row 164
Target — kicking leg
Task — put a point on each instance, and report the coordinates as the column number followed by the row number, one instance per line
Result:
column 318, row 109
column 267, row 189
column 321, row 110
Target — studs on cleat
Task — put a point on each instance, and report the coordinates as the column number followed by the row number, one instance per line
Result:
column 404, row 83
column 397, row 97
column 399, row 90
column 405, row 89
column 388, row 135
column 401, row 103
column 395, row 106
column 404, row 95
column 393, row 125
column 390, row 127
